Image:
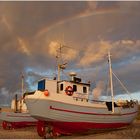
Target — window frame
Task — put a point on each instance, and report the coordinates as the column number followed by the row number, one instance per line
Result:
column 74, row 88
column 61, row 87
column 84, row 89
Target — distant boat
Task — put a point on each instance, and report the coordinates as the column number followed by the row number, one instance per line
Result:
column 17, row 115
column 63, row 107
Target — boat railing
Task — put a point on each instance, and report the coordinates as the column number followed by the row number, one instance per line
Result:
column 97, row 101
column 135, row 101
column 80, row 96
column 84, row 97
column 126, row 103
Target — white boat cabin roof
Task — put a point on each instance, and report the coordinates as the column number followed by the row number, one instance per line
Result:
column 63, row 86
column 78, row 83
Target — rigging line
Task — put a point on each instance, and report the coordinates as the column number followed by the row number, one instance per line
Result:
column 122, row 84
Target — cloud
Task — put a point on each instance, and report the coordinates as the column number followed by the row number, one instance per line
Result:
column 4, row 96
column 29, row 30
column 95, row 52
column 128, row 73
column 98, row 51
column 98, row 90
column 23, row 46
column 66, row 53
column 129, row 6
column 53, row 48
column 12, row 60
column 91, row 8
column 5, row 22
column 127, row 42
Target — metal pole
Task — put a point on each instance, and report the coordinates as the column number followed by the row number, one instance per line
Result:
column 22, row 90
column 58, row 78
column 16, row 106
column 111, row 81
column 22, row 84
column 58, row 63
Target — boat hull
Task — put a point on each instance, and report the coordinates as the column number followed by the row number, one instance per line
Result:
column 16, row 120
column 71, row 118
column 16, row 117
column 77, row 127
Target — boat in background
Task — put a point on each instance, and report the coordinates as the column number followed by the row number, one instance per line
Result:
column 18, row 115
column 63, row 107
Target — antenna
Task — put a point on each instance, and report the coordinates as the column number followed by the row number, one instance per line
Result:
column 60, row 64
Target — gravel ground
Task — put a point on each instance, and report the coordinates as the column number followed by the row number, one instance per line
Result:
column 131, row 132
column 20, row 133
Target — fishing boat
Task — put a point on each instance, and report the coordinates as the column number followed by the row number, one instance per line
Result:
column 18, row 115
column 64, row 107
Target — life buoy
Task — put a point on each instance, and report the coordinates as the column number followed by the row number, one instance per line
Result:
column 46, row 93
column 69, row 90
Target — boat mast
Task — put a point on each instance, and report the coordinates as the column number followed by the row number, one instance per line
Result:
column 22, row 84
column 58, row 67
column 58, row 63
column 22, row 88
column 111, row 81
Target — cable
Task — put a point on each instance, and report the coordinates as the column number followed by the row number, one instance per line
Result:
column 122, row 85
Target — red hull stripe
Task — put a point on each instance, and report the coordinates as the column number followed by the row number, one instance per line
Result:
column 74, row 127
column 64, row 110
column 18, row 116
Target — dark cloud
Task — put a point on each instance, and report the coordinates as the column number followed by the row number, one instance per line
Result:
column 28, row 29
column 26, row 18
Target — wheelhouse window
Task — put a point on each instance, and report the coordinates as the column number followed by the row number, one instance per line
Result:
column 41, row 85
column 61, row 87
column 84, row 89
column 74, row 87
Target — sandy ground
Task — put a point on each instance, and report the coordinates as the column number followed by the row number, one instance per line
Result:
column 131, row 132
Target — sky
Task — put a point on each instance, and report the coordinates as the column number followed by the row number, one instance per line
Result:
column 31, row 32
